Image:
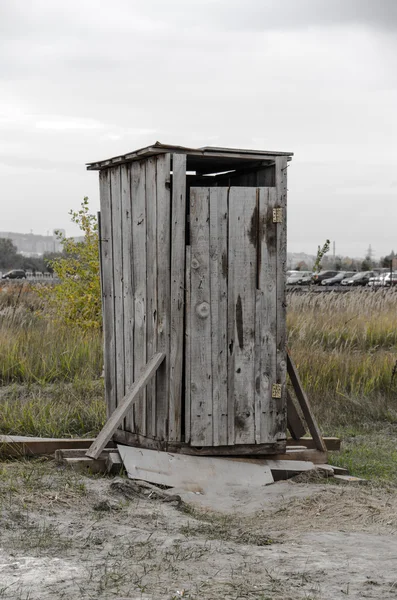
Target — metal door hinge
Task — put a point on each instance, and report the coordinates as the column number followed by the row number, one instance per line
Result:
column 276, row 390
column 277, row 215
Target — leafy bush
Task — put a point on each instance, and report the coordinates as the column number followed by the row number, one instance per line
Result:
column 76, row 300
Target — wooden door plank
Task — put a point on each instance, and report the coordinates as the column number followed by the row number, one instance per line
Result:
column 151, row 298
column 129, row 399
column 108, row 291
column 138, row 199
column 128, row 288
column 259, row 398
column 163, row 291
column 178, row 243
column 294, row 422
column 201, row 359
column 243, row 263
column 218, row 293
column 188, row 334
column 305, row 405
column 267, row 279
column 281, row 191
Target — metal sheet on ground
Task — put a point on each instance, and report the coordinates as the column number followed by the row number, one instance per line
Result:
column 193, row 473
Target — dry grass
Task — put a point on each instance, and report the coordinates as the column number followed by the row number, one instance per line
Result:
column 345, row 348
column 33, row 349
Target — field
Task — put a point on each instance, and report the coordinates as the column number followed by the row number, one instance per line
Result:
column 68, row 536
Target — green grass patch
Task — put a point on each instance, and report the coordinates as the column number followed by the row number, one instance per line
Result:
column 59, row 410
column 369, row 451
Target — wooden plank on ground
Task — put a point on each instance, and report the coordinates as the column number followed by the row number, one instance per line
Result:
column 305, row 405
column 191, row 472
column 27, row 446
column 178, row 243
column 243, row 264
column 294, row 422
column 332, row 443
column 218, row 232
column 108, row 291
column 268, row 407
column 131, row 397
column 151, row 290
column 138, row 200
column 315, row 456
column 281, row 260
column 201, row 432
column 284, row 469
column 128, row 284
column 163, row 291
column 117, row 228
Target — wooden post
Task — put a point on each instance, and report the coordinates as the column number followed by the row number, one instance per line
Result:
column 305, row 405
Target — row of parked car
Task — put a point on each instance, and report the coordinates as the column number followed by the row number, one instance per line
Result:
column 370, row 278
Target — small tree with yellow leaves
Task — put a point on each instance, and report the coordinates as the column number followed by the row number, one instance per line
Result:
column 76, row 299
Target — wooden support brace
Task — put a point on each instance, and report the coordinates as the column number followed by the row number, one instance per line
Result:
column 294, row 422
column 305, row 405
column 118, row 415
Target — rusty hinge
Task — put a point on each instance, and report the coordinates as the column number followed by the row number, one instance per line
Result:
column 277, row 215
column 276, row 390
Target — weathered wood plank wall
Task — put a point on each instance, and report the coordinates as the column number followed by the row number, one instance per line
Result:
column 234, row 297
column 232, row 277
column 136, row 269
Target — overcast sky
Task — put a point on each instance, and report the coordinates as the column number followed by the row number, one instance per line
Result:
column 88, row 79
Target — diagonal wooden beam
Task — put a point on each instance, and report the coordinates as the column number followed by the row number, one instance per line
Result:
column 294, row 422
column 118, row 415
column 305, row 405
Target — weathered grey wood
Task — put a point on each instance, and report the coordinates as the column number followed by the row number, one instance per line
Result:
column 201, row 359
column 132, row 439
column 332, row 443
column 17, row 445
column 231, row 336
column 128, row 287
column 151, row 299
column 188, row 340
column 217, row 153
column 259, row 316
column 281, row 191
column 178, row 228
column 138, row 200
column 108, row 291
column 130, row 398
column 267, row 279
column 305, row 405
column 117, row 228
column 191, row 472
column 218, row 293
column 163, row 292
column 242, row 262
column 294, row 422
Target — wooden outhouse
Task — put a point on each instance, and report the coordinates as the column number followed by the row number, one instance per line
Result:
column 193, row 265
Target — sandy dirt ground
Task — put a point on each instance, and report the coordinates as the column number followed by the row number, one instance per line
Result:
column 73, row 537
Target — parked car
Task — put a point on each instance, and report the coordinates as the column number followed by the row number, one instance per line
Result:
column 390, row 279
column 15, row 274
column 297, row 277
column 307, row 278
column 359, row 278
column 318, row 277
column 337, row 278
column 378, row 280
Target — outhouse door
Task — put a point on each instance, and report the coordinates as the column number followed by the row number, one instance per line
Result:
column 235, row 277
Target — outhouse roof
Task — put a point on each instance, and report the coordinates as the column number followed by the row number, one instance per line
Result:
column 202, row 159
